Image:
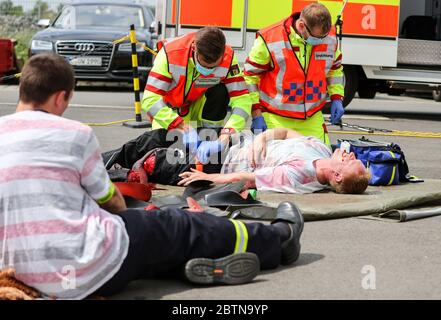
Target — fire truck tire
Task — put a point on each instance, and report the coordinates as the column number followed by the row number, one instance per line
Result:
column 366, row 92
column 351, row 83
column 436, row 95
column 396, row 92
column 351, row 87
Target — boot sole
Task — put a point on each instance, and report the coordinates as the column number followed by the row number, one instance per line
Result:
column 237, row 268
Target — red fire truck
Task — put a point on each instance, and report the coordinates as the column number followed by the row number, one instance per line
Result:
column 8, row 60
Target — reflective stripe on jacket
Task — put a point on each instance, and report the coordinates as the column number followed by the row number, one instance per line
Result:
column 175, row 79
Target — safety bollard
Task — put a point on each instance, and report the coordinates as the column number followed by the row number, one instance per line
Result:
column 138, row 123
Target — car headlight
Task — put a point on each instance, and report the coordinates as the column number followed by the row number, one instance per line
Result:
column 127, row 47
column 41, row 45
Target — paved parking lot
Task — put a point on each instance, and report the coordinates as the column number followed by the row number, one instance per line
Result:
column 404, row 256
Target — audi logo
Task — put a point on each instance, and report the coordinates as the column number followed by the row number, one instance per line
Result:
column 84, row 47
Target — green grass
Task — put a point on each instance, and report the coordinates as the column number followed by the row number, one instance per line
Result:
column 23, row 39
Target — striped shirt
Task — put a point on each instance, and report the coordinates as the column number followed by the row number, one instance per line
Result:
column 52, row 230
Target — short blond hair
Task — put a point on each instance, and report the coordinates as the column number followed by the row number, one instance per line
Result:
column 353, row 184
column 317, row 15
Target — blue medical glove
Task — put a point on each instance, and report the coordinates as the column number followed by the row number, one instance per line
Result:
column 191, row 140
column 208, row 148
column 258, row 124
column 337, row 111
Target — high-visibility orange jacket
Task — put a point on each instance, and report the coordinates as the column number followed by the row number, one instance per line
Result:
column 285, row 86
column 171, row 85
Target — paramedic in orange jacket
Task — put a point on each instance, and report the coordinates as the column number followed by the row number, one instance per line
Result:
column 193, row 80
column 292, row 69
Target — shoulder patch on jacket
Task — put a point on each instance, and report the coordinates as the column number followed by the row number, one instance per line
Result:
column 234, row 70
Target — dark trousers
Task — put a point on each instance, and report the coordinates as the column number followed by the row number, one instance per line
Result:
column 161, row 242
column 165, row 172
column 135, row 149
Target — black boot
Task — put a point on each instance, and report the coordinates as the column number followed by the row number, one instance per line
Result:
column 289, row 214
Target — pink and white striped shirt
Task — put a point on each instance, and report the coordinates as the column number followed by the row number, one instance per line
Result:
column 52, row 230
column 288, row 166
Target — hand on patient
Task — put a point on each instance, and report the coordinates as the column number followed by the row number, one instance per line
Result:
column 257, row 151
column 195, row 175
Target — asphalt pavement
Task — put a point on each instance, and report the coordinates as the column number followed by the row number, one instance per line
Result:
column 341, row 259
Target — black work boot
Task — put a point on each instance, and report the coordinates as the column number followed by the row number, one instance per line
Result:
column 236, row 268
column 287, row 212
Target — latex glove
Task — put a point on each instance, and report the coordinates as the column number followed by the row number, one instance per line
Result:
column 191, row 140
column 258, row 124
column 208, row 148
column 337, row 111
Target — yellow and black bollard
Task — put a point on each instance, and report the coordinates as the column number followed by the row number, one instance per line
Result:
column 138, row 123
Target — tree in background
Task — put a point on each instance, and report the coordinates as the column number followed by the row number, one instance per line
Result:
column 41, row 10
column 7, row 8
column 60, row 6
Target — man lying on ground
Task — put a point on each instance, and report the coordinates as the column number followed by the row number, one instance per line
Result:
column 65, row 228
column 283, row 160
column 280, row 160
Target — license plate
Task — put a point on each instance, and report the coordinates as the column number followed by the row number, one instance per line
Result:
column 87, row 61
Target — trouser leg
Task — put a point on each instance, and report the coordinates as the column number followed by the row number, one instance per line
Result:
column 209, row 114
column 210, row 110
column 216, row 104
column 135, row 149
column 167, row 165
column 161, row 242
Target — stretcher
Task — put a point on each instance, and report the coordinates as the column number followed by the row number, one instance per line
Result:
column 404, row 202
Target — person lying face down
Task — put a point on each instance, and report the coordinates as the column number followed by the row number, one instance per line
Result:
column 283, row 160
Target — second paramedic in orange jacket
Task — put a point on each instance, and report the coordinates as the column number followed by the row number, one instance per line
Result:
column 292, row 69
column 194, row 79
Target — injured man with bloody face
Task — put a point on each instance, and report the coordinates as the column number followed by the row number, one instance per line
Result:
column 279, row 160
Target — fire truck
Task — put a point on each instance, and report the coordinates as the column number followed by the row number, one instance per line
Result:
column 8, row 61
column 388, row 45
